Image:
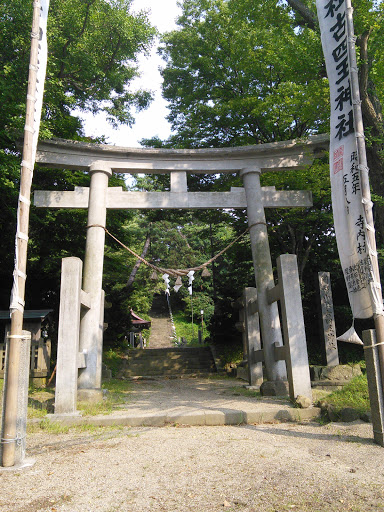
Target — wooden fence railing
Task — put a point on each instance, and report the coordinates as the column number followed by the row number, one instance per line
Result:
column 40, row 359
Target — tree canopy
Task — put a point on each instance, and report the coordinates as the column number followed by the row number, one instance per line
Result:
column 236, row 72
column 93, row 48
column 248, row 72
column 239, row 72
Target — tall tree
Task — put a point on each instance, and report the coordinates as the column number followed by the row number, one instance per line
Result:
column 93, row 47
column 369, row 26
column 93, row 50
column 238, row 72
column 248, row 72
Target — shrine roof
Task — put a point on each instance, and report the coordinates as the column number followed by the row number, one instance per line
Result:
column 32, row 314
column 136, row 320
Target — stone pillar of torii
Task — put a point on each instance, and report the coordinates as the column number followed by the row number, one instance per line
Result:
column 102, row 160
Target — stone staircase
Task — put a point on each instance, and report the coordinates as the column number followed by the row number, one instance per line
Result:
column 167, row 362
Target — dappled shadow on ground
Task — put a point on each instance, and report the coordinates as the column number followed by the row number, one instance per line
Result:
column 336, row 432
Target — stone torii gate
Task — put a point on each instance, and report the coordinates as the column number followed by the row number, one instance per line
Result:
column 101, row 160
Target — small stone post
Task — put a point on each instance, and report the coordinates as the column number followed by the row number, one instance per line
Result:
column 375, row 387
column 252, row 335
column 269, row 315
column 328, row 331
column 91, row 329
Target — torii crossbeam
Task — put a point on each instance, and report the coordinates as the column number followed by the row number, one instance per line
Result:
column 249, row 161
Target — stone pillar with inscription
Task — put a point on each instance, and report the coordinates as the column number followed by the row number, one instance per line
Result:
column 328, row 330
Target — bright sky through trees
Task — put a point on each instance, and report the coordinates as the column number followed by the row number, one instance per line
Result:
column 150, row 122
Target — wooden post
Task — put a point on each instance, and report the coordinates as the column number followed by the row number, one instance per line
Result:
column 15, row 338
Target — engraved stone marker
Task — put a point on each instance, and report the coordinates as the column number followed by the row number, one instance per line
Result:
column 328, row 319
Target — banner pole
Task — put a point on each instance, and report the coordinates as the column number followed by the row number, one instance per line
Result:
column 364, row 176
column 11, row 385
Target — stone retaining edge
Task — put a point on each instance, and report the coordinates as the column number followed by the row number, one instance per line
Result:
column 195, row 418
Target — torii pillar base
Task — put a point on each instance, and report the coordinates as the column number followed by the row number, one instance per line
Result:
column 90, row 395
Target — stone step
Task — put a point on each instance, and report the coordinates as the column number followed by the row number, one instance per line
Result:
column 168, row 361
column 127, row 373
column 171, row 357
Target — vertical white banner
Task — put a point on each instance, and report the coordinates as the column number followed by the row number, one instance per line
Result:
column 351, row 227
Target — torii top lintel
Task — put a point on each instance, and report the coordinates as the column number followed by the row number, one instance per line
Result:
column 59, row 153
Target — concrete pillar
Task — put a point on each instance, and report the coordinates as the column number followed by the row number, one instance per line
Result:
column 91, row 328
column 179, row 181
column 269, row 315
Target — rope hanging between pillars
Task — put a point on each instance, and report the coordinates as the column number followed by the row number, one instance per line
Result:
column 174, row 272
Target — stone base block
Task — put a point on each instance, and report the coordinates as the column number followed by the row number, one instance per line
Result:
column 375, row 387
column 63, row 416
column 274, row 388
column 241, row 373
column 341, row 372
column 251, row 388
column 24, row 464
column 90, row 395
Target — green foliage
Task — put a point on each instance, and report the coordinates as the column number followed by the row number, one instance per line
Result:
column 93, row 49
column 354, row 394
column 199, row 302
column 230, row 354
column 113, row 358
column 185, row 329
column 232, row 80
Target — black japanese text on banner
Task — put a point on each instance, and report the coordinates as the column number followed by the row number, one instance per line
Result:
column 357, row 253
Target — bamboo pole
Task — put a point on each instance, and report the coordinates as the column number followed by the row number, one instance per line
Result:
column 364, row 174
column 15, row 340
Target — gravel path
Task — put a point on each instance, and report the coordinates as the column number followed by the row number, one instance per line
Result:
column 154, row 396
column 253, row 468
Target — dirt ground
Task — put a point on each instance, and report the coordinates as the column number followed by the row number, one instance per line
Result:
column 249, row 468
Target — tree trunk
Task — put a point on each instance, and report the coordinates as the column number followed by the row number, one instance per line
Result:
column 138, row 262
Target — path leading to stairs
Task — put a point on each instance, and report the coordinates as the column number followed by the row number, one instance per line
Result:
column 161, row 327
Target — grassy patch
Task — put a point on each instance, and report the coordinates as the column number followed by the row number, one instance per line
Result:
column 113, row 358
column 354, row 394
column 118, row 388
column 117, row 394
column 242, row 391
column 51, row 427
column 40, row 401
column 185, row 329
column 229, row 355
